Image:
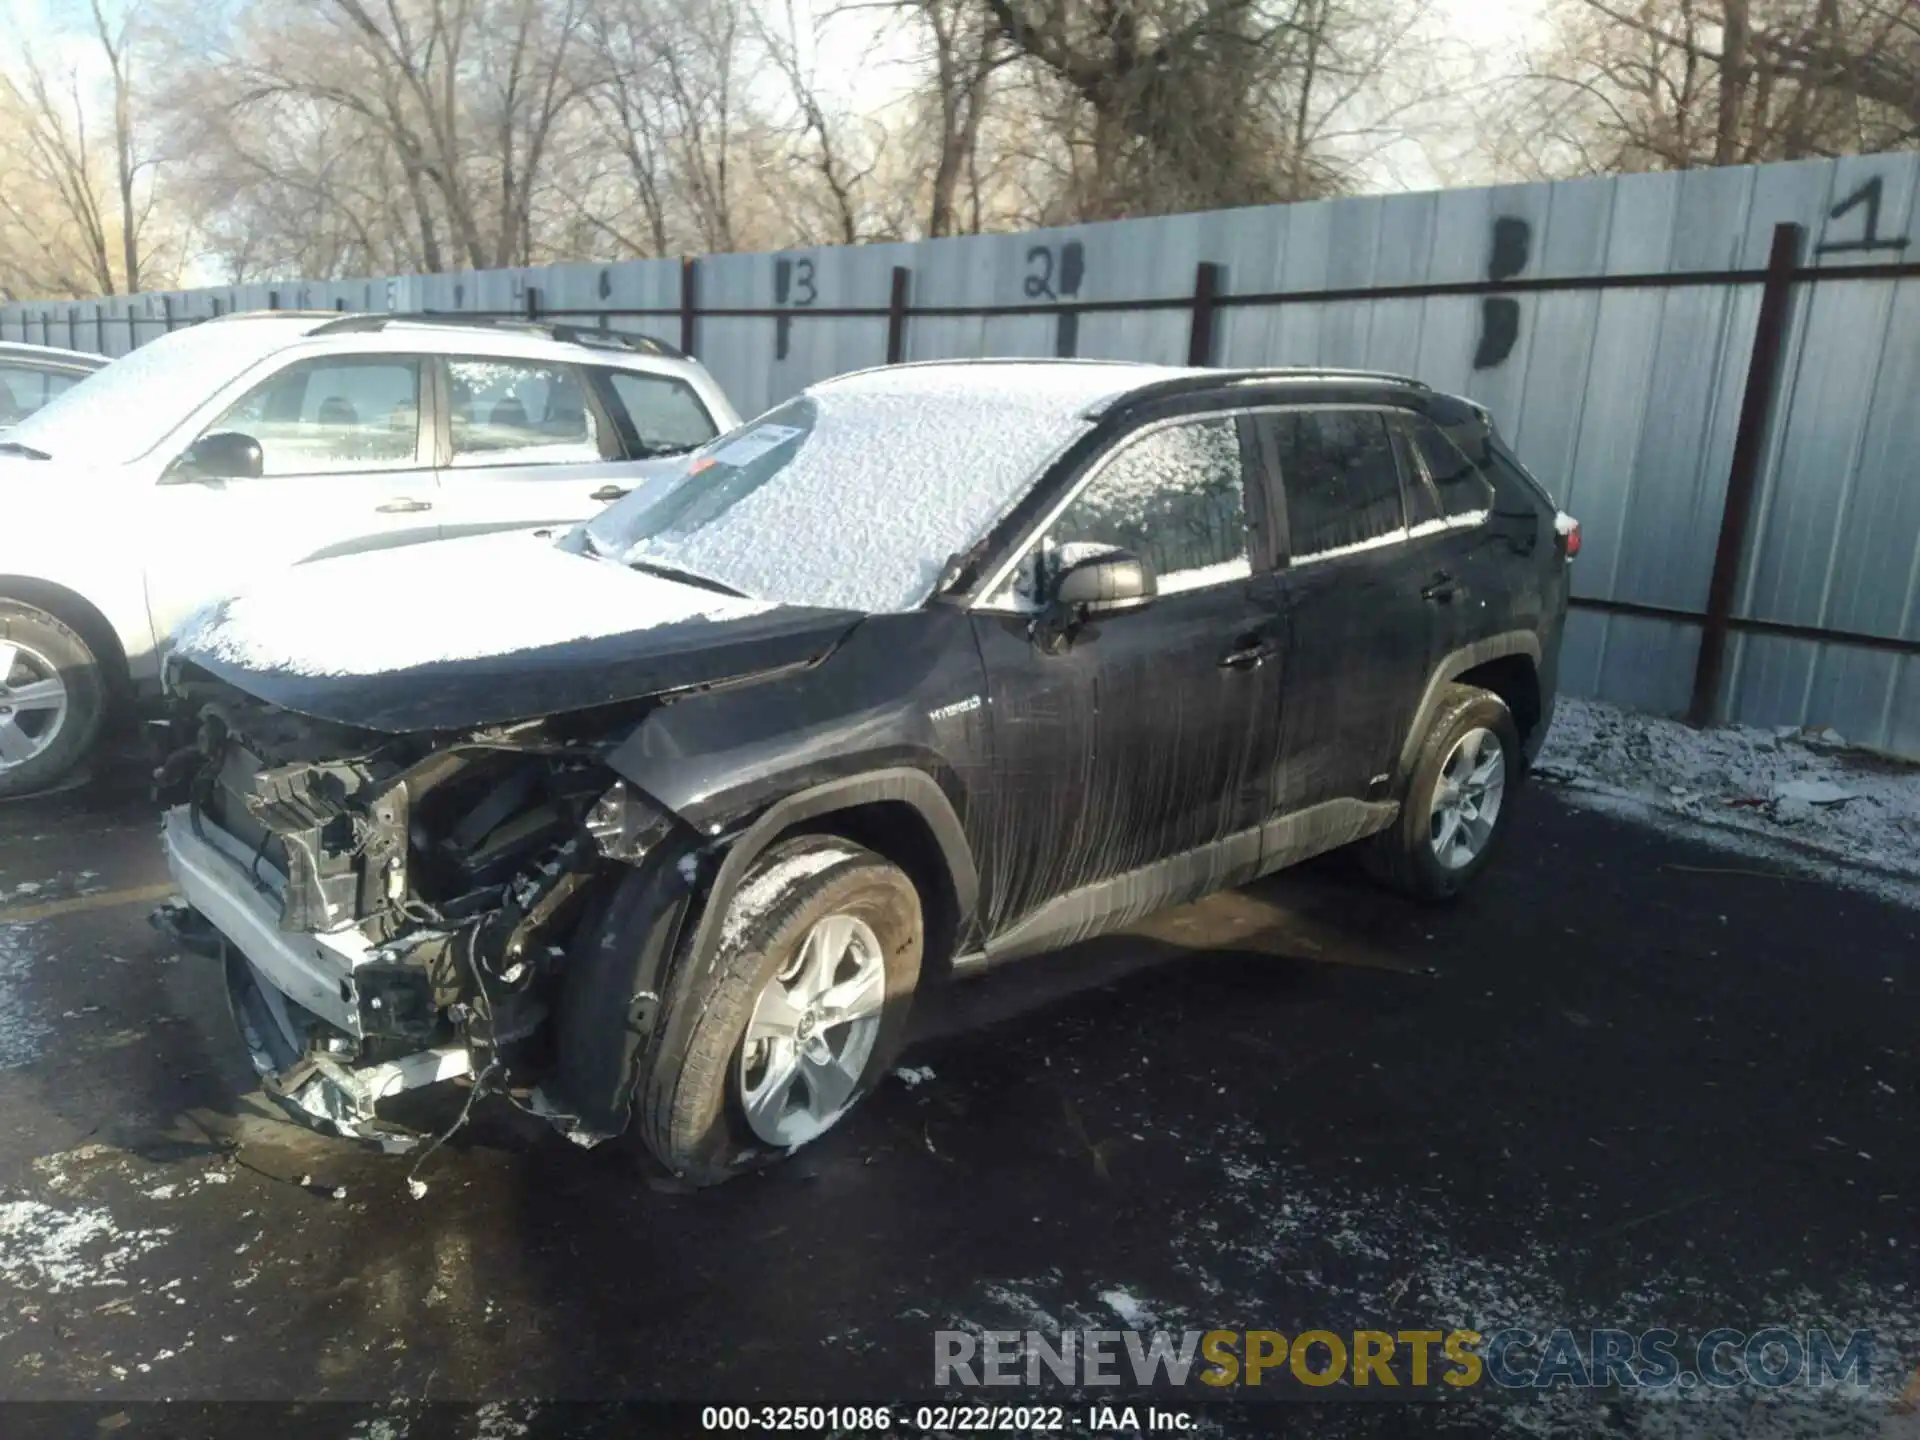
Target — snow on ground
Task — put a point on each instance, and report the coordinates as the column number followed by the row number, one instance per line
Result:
column 1844, row 815
column 24, row 1027
column 1289, row 1246
column 51, row 1250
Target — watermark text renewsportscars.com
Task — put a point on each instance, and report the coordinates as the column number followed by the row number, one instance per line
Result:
column 1405, row 1363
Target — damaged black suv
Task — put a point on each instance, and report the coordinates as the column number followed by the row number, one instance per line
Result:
column 667, row 818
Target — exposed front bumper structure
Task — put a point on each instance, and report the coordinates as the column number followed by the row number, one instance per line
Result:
column 293, row 995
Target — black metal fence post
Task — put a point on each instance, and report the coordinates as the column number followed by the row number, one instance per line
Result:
column 1206, row 287
column 533, row 302
column 689, row 302
column 166, row 315
column 1743, row 474
column 897, row 315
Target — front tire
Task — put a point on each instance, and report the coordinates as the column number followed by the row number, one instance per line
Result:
column 800, row 1013
column 52, row 699
column 1459, row 801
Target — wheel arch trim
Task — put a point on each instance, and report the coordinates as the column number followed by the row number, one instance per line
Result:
column 80, row 615
column 915, row 788
column 1493, row 647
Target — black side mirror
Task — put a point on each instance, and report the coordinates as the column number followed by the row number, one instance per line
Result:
column 1110, row 583
column 223, row 455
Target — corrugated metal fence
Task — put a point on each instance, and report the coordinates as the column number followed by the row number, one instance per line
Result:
column 1612, row 326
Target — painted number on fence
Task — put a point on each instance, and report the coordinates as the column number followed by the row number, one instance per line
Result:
column 1865, row 199
column 794, row 287
column 1511, row 249
column 1055, row 272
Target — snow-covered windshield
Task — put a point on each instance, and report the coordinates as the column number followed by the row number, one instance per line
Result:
column 124, row 410
column 855, row 494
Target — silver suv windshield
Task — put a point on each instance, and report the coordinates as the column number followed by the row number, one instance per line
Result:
column 126, row 409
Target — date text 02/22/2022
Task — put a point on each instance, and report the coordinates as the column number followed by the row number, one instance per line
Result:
column 941, row 1419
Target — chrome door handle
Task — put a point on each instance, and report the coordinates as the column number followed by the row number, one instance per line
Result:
column 1441, row 589
column 609, row 492
column 1247, row 657
column 404, row 507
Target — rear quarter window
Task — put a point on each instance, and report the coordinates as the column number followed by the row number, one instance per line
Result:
column 662, row 413
column 1460, row 488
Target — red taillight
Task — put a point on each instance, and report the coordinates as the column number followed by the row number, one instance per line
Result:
column 1568, row 529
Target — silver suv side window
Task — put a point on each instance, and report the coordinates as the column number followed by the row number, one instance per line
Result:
column 25, row 388
column 666, row 414
column 333, row 416
column 514, row 412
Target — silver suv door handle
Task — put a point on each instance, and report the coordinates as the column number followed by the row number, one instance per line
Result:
column 403, row 507
column 608, row 492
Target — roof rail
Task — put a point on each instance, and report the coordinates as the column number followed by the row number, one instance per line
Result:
column 564, row 334
column 1257, row 373
column 1204, row 380
column 268, row 315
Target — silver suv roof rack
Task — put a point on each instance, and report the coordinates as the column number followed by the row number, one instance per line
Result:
column 546, row 330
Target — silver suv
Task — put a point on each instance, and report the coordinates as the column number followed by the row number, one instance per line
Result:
column 218, row 454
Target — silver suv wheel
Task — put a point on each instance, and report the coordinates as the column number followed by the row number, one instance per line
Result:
column 33, row 703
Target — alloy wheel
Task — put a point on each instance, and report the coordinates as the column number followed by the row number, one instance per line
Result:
column 1466, row 800
column 812, row 1032
column 33, row 703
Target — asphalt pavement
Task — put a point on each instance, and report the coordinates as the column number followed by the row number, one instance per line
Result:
column 1627, row 1083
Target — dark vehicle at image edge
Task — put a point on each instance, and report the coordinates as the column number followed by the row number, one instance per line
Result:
column 932, row 667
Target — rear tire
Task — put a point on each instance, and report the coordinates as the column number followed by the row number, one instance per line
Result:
column 1459, row 800
column 814, row 918
column 41, row 743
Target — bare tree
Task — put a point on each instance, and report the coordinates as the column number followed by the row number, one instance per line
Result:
column 1673, row 84
column 839, row 153
column 75, row 178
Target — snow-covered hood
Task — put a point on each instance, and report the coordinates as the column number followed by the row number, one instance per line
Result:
column 485, row 631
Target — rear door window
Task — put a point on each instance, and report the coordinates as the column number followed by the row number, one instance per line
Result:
column 515, row 412
column 1341, row 480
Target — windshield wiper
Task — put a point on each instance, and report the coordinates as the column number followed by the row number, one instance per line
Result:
column 14, row 447
column 686, row 577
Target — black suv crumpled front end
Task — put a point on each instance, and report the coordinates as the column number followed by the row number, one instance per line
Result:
column 399, row 869
column 391, row 911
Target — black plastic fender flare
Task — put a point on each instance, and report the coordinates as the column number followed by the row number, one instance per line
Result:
column 621, row 1004
column 915, row 787
column 1456, row 664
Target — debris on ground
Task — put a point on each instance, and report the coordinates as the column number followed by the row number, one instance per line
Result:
column 914, row 1076
column 1788, row 792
